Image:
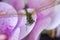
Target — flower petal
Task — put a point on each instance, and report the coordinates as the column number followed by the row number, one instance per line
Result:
column 58, row 20
column 58, row 31
column 18, row 4
column 40, row 4
column 7, row 21
column 55, row 19
column 41, row 24
column 16, row 34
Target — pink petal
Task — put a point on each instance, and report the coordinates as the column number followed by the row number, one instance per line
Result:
column 7, row 24
column 18, row 4
column 56, row 18
column 39, row 4
column 58, row 31
column 16, row 34
column 47, row 13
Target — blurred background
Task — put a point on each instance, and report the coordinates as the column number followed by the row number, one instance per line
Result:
column 49, row 35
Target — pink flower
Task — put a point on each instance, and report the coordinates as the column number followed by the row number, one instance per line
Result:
column 46, row 18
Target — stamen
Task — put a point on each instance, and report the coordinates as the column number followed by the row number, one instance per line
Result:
column 29, row 16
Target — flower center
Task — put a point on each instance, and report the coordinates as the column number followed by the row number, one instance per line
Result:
column 28, row 13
